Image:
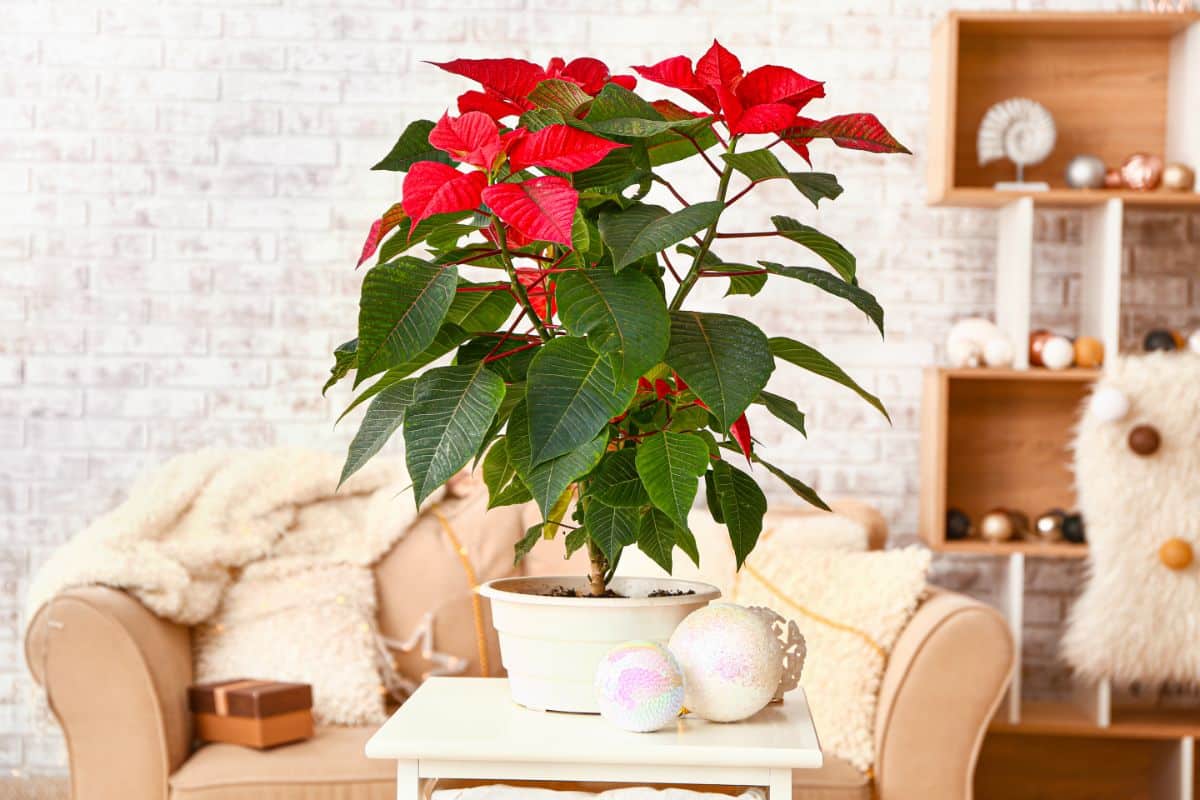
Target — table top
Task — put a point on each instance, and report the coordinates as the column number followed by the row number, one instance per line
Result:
column 474, row 719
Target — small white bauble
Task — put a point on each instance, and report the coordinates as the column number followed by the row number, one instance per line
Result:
column 965, row 342
column 1058, row 353
column 1108, row 404
column 998, row 352
column 1194, row 342
column 639, row 686
column 732, row 661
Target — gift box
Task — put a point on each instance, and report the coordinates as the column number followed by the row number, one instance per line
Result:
column 254, row 713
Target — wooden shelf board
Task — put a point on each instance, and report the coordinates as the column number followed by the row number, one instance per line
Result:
column 1067, row 23
column 978, row 547
column 983, row 197
column 1031, row 374
column 1063, row 719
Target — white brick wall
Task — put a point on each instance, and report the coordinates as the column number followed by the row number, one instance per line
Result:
column 184, row 187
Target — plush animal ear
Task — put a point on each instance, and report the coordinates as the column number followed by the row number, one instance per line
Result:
column 1108, row 404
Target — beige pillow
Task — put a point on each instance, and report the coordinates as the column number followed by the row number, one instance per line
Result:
column 851, row 607
column 298, row 620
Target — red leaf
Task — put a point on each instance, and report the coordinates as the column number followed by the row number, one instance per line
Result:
column 434, row 188
column 560, row 147
column 379, row 229
column 590, row 73
column 473, row 138
column 675, row 112
column 662, row 388
column 741, row 434
column 644, row 385
column 489, row 103
column 511, row 78
column 771, row 84
column 540, row 208
column 719, row 67
column 624, row 81
column 852, row 131
column 540, row 289
column 764, row 118
column 677, row 73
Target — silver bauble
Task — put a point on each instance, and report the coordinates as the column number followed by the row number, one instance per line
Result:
column 1085, row 172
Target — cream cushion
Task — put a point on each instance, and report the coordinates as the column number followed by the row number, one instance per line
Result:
column 851, row 607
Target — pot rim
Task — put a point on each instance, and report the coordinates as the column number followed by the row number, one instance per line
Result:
column 503, row 589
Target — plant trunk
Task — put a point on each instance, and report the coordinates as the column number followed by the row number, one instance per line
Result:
column 598, row 570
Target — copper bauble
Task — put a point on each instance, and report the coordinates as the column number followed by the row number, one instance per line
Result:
column 1113, row 179
column 1175, row 554
column 1037, row 340
column 1142, row 171
column 1179, row 178
column 1049, row 525
column 996, row 526
column 1144, row 440
column 1089, row 352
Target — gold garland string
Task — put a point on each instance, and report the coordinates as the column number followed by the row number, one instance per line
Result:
column 473, row 582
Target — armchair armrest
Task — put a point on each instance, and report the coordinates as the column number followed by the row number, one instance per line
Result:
column 116, row 677
column 944, row 680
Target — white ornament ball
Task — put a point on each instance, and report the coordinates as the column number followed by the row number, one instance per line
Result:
column 732, row 661
column 964, row 353
column 1109, row 404
column 1058, row 353
column 1194, row 342
column 966, row 344
column 998, row 352
column 639, row 686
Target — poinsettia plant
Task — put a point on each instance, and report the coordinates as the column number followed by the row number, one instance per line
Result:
column 527, row 307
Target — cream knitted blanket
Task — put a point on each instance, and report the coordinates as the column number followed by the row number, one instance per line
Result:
column 186, row 528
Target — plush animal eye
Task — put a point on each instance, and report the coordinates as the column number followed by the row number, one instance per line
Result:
column 1144, row 440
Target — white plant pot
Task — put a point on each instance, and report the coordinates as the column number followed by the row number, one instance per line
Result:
column 552, row 645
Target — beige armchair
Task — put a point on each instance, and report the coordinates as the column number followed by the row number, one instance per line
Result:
column 116, row 678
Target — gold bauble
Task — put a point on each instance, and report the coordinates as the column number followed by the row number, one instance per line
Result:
column 1179, row 178
column 996, row 526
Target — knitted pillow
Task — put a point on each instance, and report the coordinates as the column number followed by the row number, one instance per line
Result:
column 851, row 607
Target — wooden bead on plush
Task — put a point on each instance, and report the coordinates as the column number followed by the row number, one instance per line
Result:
column 1175, row 553
column 1144, row 440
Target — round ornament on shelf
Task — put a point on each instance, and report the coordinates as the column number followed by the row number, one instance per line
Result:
column 639, row 686
column 1194, row 342
column 732, row 661
column 1048, row 526
column 1037, row 341
column 1073, row 529
column 1089, row 352
column 958, row 525
column 976, row 342
column 1179, row 177
column 1113, row 179
column 1160, row 339
column 1058, row 353
column 997, row 526
column 1142, row 171
column 1085, row 172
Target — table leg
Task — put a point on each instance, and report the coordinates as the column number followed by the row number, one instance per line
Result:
column 781, row 785
column 408, row 783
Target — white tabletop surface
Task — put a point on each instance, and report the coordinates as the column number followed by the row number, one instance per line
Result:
column 474, row 719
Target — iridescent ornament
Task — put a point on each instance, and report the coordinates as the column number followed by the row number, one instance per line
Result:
column 639, row 686
column 732, row 661
column 1142, row 171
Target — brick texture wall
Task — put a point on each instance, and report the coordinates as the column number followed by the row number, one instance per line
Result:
column 184, row 187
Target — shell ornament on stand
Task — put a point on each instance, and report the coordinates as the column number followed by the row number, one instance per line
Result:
column 1019, row 129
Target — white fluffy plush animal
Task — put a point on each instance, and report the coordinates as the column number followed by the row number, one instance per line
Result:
column 977, row 342
column 1138, row 618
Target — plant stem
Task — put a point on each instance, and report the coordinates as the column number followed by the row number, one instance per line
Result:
column 694, row 273
column 596, row 582
column 518, row 287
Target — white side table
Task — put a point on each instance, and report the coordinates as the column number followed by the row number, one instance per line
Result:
column 470, row 728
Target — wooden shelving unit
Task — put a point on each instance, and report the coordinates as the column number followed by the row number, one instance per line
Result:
column 1116, row 83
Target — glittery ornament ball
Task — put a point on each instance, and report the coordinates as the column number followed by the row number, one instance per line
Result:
column 732, row 661
column 639, row 686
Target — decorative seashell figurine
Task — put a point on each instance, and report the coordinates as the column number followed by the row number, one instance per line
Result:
column 1019, row 129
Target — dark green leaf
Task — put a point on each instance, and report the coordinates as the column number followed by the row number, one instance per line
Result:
column 474, row 255
column 644, row 230
column 762, row 165
column 344, row 359
column 610, row 527
column 616, row 482
column 539, row 118
column 816, row 186
column 574, row 540
column 616, row 111
column 402, row 307
column 783, row 409
column 412, row 146
column 562, row 96
column 573, row 391
column 670, row 465
column 450, row 412
column 549, row 480
column 617, row 171
column 742, row 505
column 514, row 396
column 804, row 356
column 680, row 143
column 724, row 359
column 686, row 542
column 833, row 253
column 527, row 543
column 710, row 497
column 405, row 238
column 480, row 311
column 511, row 368
column 657, row 537
column 750, row 284
column 383, row 418
column 861, row 298
column 800, row 488
column 619, row 312
column 505, row 487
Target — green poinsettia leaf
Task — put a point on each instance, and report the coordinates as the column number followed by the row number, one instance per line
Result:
column 762, row 165
column 548, row 480
column 783, row 409
column 345, row 357
column 451, row 410
column 808, row 358
column 710, row 497
column 643, row 230
column 670, row 465
column 562, row 96
column 616, row 172
column 657, row 537
column 836, row 256
column 383, row 418
column 863, row 300
column 526, row 543
column 574, row 540
column 798, row 487
column 505, row 487
column 612, row 528
column 412, row 146
column 480, row 311
column 724, row 359
column 616, row 482
column 742, row 505
column 572, row 392
column 616, row 111
column 401, row 310
column 619, row 312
